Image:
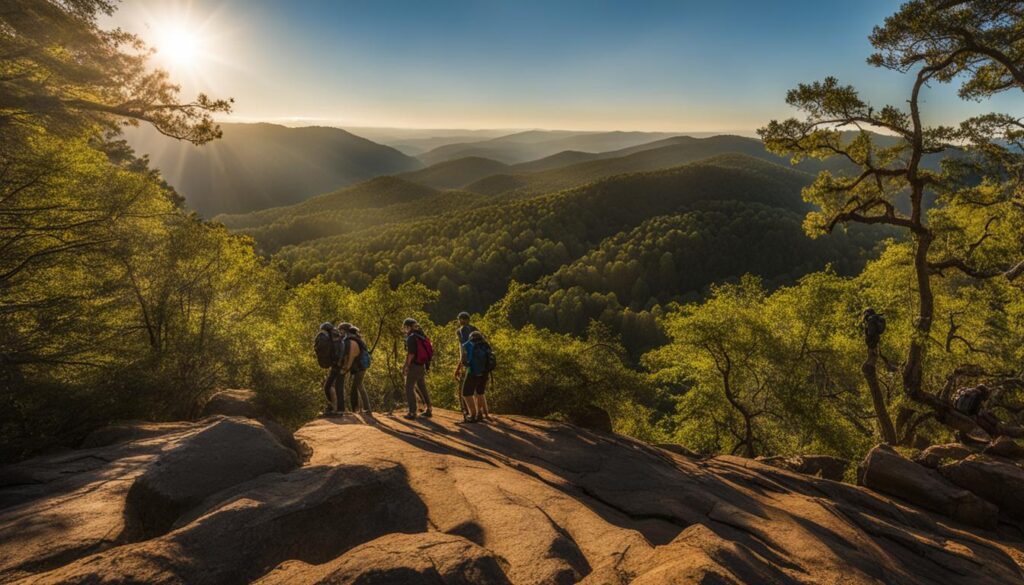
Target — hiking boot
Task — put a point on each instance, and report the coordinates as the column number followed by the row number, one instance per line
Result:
column 409, row 416
column 428, row 413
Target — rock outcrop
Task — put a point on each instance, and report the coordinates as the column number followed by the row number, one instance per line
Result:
column 521, row 501
column 886, row 471
column 228, row 452
column 233, row 403
column 996, row 481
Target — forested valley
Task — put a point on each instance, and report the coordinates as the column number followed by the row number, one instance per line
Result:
column 700, row 291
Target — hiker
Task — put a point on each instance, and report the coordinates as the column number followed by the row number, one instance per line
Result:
column 327, row 346
column 418, row 353
column 355, row 362
column 873, row 326
column 479, row 361
column 969, row 401
column 462, row 333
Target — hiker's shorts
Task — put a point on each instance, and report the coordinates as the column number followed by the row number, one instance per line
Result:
column 474, row 385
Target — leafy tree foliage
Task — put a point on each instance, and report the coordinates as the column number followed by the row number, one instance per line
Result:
column 61, row 71
column 974, row 230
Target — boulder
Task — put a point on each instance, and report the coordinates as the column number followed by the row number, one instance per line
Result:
column 426, row 558
column 228, row 452
column 935, row 455
column 886, row 471
column 823, row 466
column 1005, row 447
column 999, row 482
column 233, row 403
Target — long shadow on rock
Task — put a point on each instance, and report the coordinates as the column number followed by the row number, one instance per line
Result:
column 313, row 515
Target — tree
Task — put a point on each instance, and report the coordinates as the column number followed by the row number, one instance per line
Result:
column 61, row 71
column 973, row 227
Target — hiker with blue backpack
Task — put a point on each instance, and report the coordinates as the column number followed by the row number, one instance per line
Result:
column 418, row 354
column 479, row 360
column 355, row 361
column 328, row 346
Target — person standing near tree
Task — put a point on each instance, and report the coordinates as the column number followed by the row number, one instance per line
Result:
column 462, row 333
column 873, row 326
column 418, row 354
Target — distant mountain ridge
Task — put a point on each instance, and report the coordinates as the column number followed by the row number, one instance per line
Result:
column 257, row 166
column 534, row 144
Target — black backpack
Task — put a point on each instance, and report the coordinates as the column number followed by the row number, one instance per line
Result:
column 876, row 325
column 328, row 348
column 968, row 400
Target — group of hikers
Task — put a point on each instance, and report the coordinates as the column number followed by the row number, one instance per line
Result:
column 341, row 350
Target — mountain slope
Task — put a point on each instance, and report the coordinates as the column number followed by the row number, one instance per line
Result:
column 520, row 501
column 675, row 258
column 457, row 173
column 256, row 166
column 376, row 202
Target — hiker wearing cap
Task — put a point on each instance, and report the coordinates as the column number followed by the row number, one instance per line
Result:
column 418, row 354
column 462, row 333
column 479, row 361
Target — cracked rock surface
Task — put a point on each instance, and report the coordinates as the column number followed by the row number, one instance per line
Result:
column 521, row 501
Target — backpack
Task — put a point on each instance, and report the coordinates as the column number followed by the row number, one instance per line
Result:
column 482, row 357
column 876, row 325
column 324, row 347
column 967, row 400
column 424, row 349
column 492, row 361
column 365, row 357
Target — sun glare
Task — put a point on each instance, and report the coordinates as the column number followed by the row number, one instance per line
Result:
column 178, row 45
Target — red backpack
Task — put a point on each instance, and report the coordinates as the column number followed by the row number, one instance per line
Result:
column 424, row 349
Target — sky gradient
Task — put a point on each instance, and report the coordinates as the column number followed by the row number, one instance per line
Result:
column 683, row 65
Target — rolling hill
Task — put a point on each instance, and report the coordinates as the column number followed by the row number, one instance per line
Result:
column 454, row 174
column 257, row 166
column 372, row 203
column 536, row 144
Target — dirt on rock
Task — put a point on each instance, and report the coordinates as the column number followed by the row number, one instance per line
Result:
column 519, row 500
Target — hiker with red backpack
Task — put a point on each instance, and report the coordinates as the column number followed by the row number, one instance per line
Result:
column 418, row 353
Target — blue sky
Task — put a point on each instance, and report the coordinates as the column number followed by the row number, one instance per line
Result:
column 678, row 65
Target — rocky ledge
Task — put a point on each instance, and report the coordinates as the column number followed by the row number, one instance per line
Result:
column 384, row 500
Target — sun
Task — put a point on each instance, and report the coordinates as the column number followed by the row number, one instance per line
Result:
column 178, row 45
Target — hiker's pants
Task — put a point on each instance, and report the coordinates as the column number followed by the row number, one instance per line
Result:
column 416, row 380
column 333, row 377
column 357, row 392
